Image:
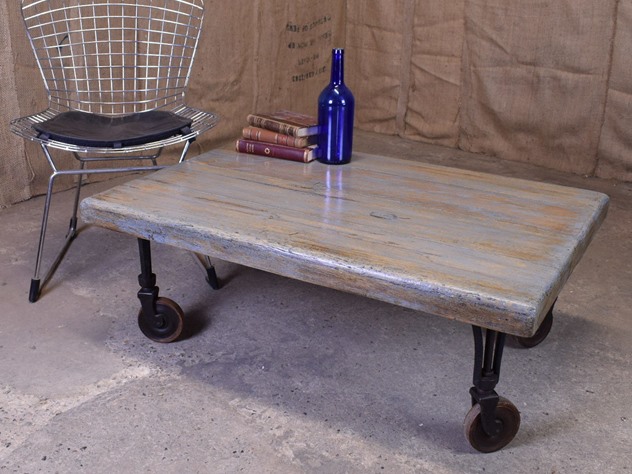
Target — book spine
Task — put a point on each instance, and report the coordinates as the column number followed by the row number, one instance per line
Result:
column 268, row 136
column 274, row 125
column 275, row 151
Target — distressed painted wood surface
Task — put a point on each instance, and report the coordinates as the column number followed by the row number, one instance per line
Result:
column 470, row 246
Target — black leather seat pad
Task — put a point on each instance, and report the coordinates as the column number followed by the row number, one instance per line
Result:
column 86, row 129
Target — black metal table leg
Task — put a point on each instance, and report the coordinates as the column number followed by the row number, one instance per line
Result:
column 160, row 319
column 493, row 421
column 211, row 277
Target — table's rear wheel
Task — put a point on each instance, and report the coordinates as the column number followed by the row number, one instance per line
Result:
column 540, row 335
column 507, row 421
column 166, row 325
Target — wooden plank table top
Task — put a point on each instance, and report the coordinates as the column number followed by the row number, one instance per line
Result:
column 479, row 248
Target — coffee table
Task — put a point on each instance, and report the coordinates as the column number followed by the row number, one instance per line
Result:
column 490, row 251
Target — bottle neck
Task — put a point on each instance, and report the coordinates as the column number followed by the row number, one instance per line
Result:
column 338, row 66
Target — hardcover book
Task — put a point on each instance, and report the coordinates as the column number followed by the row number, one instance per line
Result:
column 269, row 136
column 286, row 122
column 303, row 155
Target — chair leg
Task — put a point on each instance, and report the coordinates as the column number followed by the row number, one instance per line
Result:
column 211, row 275
column 38, row 283
column 185, row 150
column 35, row 281
column 72, row 228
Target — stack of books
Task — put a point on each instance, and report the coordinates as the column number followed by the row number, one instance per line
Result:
column 283, row 134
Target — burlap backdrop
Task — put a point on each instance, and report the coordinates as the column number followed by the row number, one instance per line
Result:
column 615, row 145
column 258, row 56
column 540, row 82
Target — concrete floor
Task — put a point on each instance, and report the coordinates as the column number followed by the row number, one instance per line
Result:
column 280, row 376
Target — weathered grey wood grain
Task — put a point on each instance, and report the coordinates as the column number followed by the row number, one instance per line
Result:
column 470, row 246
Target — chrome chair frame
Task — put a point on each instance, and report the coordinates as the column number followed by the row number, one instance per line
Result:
column 110, row 58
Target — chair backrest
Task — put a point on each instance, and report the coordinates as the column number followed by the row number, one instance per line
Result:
column 114, row 57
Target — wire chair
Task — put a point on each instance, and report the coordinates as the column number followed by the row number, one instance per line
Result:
column 116, row 74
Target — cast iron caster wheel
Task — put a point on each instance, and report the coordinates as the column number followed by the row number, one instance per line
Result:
column 168, row 323
column 540, row 334
column 506, row 414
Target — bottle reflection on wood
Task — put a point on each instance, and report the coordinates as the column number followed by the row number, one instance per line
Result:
column 335, row 116
column 334, row 194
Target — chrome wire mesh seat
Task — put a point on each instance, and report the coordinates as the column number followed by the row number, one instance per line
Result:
column 116, row 74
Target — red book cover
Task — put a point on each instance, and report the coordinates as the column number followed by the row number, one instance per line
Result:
column 303, row 155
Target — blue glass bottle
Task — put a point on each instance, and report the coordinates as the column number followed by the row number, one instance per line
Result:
column 335, row 116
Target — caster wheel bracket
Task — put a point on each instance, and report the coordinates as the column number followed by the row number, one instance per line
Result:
column 148, row 298
column 148, row 294
column 488, row 402
column 160, row 319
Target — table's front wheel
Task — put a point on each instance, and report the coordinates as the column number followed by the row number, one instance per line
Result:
column 507, row 424
column 166, row 325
